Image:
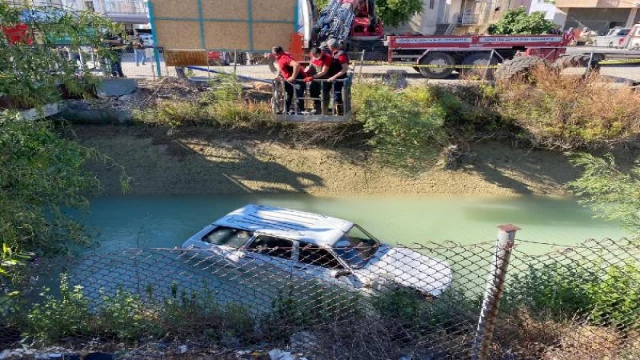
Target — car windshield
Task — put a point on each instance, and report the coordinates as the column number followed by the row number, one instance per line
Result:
column 356, row 247
column 226, row 236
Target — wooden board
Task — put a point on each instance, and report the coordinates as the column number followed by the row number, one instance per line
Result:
column 225, row 9
column 185, row 58
column 246, row 25
column 271, row 35
column 175, row 9
column 270, row 10
column 229, row 35
column 179, row 35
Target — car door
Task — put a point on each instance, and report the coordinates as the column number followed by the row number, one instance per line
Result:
column 269, row 255
column 318, row 264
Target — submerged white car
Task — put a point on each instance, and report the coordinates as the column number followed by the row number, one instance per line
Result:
column 316, row 247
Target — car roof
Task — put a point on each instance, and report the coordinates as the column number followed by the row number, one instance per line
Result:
column 315, row 229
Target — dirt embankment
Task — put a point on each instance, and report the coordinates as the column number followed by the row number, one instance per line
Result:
column 207, row 161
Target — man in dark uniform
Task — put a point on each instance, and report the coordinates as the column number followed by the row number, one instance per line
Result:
column 319, row 69
column 117, row 45
column 290, row 71
column 338, row 71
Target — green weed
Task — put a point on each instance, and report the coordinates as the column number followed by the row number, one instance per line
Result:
column 407, row 127
column 223, row 105
column 594, row 291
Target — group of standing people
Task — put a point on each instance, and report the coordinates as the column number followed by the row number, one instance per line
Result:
column 329, row 64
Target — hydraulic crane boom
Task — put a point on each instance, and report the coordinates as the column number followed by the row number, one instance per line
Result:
column 346, row 20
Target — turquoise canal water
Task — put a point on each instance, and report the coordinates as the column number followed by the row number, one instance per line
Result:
column 165, row 222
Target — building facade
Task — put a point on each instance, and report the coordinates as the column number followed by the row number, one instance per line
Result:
column 132, row 13
column 459, row 16
column 599, row 15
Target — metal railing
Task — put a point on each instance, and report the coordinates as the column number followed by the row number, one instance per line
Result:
column 469, row 19
column 362, row 302
column 315, row 98
column 133, row 7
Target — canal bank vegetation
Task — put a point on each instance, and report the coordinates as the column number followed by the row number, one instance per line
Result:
column 420, row 126
column 612, row 192
column 41, row 173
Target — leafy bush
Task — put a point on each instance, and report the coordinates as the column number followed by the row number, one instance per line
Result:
column 56, row 318
column 129, row 317
column 406, row 126
column 291, row 310
column 397, row 12
column 13, row 270
column 405, row 312
column 608, row 191
column 565, row 113
column 41, row 172
column 517, row 21
column 125, row 316
column 36, row 72
column 594, row 291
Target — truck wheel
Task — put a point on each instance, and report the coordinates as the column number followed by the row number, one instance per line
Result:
column 580, row 60
column 479, row 59
column 518, row 67
column 437, row 59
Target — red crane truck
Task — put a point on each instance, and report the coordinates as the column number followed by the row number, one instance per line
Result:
column 355, row 25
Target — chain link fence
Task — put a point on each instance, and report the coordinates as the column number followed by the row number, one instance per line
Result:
column 411, row 302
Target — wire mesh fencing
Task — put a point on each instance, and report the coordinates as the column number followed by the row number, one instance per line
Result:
column 356, row 302
column 580, row 302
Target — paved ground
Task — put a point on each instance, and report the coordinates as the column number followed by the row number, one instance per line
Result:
column 130, row 69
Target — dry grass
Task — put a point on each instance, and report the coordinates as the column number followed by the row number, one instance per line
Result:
column 520, row 335
column 566, row 112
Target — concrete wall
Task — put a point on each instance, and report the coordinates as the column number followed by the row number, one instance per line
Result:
column 453, row 10
column 598, row 19
column 550, row 11
column 424, row 23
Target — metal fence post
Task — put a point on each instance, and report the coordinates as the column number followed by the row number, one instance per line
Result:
column 486, row 70
column 493, row 292
column 235, row 61
column 589, row 65
column 156, row 52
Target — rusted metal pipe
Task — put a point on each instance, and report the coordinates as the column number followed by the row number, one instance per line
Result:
column 494, row 290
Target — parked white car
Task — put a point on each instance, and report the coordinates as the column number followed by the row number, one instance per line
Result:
column 316, row 247
column 147, row 39
column 613, row 38
column 632, row 41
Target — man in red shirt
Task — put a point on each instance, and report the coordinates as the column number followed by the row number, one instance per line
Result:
column 290, row 71
column 319, row 69
column 338, row 71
